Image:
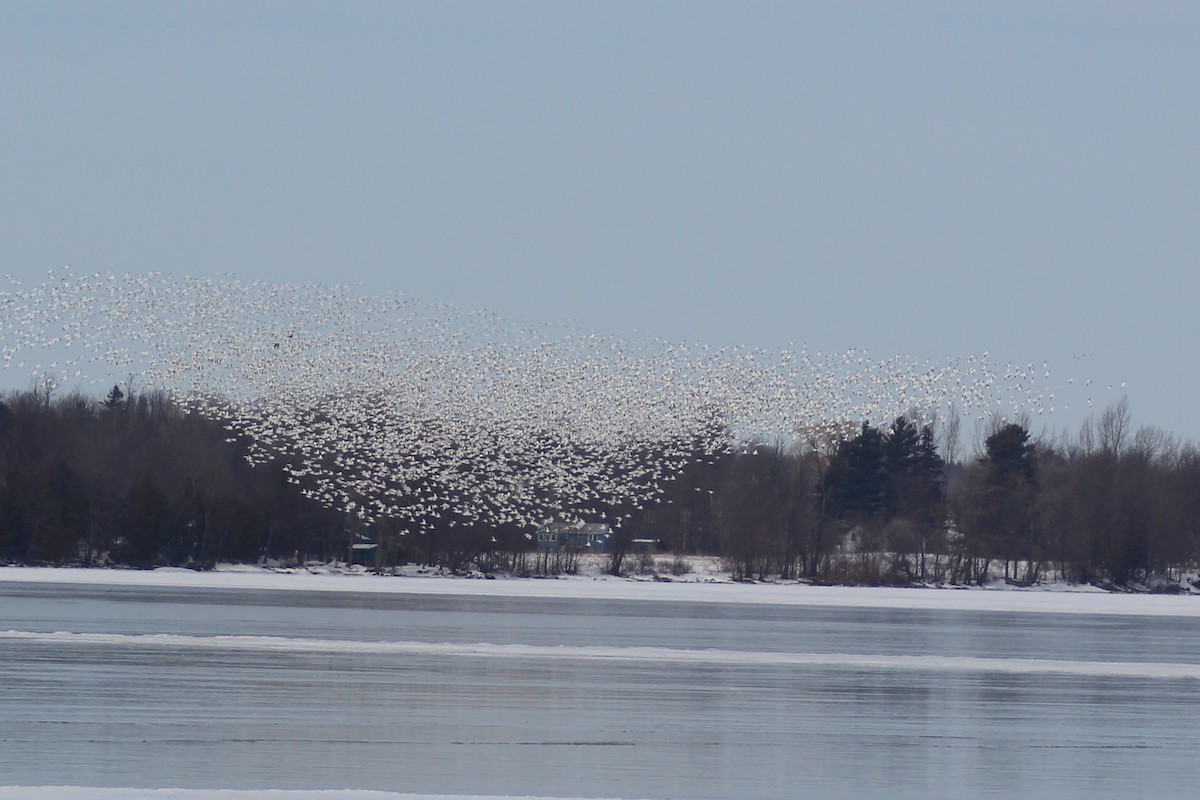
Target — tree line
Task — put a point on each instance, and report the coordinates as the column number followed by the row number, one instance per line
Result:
column 1107, row 505
column 136, row 481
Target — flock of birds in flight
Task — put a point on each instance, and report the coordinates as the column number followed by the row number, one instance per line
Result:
column 387, row 407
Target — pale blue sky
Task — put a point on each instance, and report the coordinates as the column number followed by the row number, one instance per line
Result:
column 926, row 178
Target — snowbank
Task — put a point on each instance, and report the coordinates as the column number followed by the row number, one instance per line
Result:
column 93, row 793
column 656, row 655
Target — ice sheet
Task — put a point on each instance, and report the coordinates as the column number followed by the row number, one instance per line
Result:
column 664, row 655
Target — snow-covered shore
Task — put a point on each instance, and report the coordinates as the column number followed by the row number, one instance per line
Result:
column 96, row 793
column 701, row 587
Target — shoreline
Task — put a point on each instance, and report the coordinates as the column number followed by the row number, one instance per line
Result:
column 1001, row 598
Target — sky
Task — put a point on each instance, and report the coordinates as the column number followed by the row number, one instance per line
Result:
column 933, row 179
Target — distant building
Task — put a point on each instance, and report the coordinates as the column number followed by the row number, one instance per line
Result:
column 595, row 537
column 364, row 549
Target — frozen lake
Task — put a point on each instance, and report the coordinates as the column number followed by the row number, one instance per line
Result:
column 502, row 688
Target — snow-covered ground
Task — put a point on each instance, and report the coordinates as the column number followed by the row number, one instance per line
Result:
column 705, row 583
column 92, row 793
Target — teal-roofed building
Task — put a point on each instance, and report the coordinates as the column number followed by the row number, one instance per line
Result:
column 594, row 537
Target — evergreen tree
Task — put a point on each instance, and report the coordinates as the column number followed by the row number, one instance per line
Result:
column 858, row 474
column 997, row 505
column 900, row 458
column 114, row 399
column 1009, row 452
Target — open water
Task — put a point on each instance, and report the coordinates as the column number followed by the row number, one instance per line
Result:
column 249, row 689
